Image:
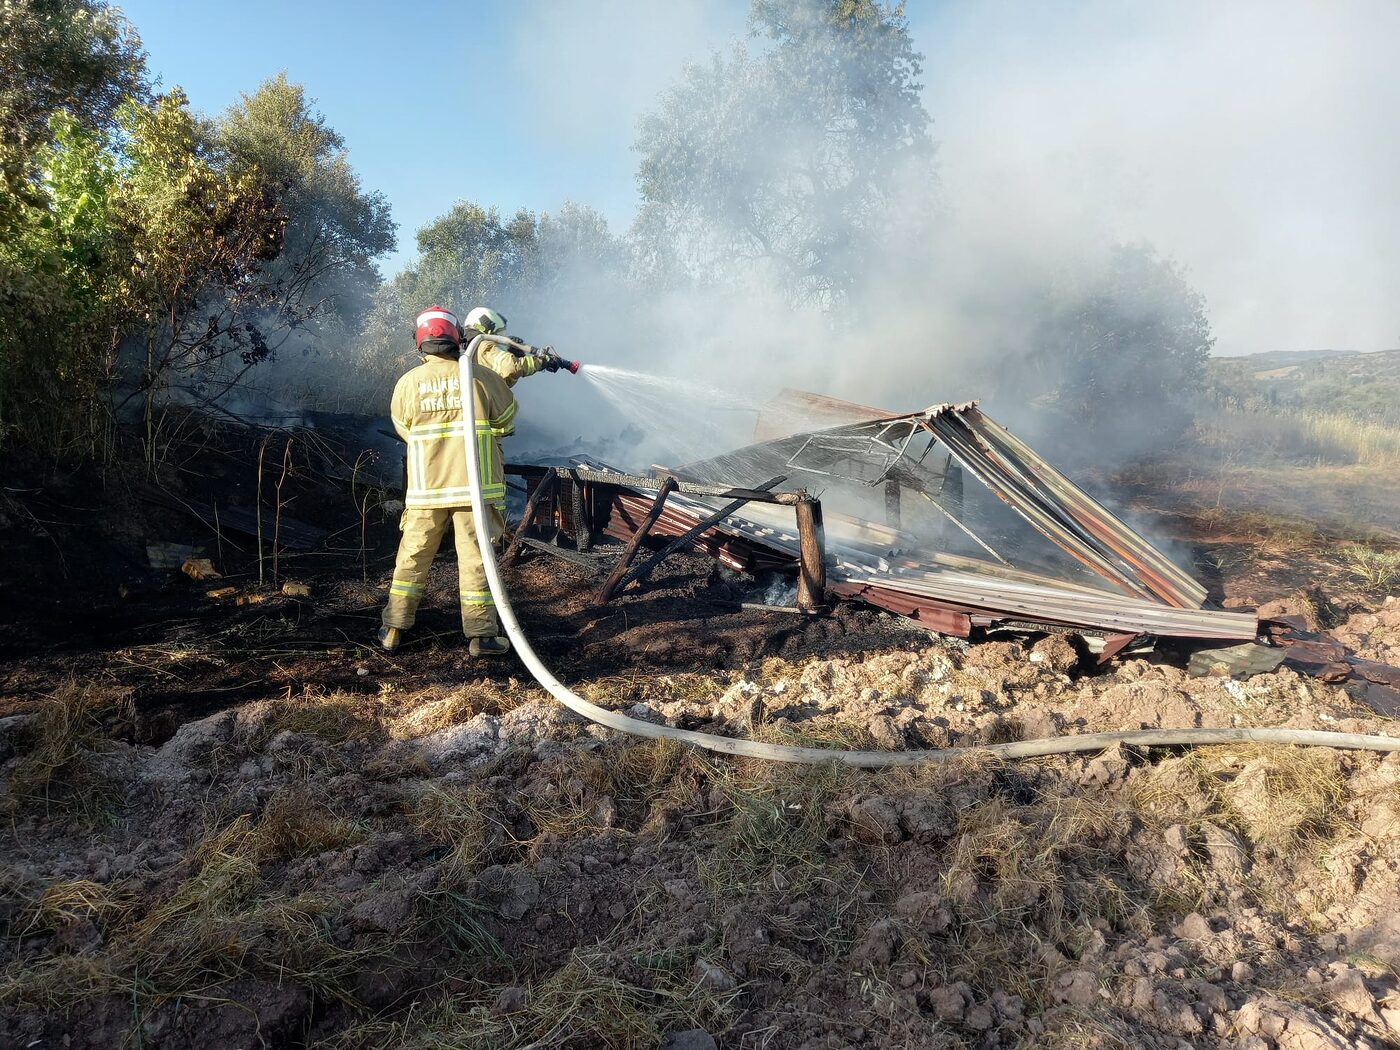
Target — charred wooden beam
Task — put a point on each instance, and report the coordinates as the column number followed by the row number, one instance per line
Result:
column 546, row 485
column 646, row 568
column 583, row 526
column 605, row 593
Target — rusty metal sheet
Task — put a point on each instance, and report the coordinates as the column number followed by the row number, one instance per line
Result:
column 935, row 616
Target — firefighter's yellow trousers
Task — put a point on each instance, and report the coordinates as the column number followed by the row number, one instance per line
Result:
column 423, row 529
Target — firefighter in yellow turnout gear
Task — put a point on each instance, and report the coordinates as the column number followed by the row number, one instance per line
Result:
column 428, row 409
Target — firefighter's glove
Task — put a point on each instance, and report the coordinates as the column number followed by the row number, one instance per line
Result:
column 549, row 360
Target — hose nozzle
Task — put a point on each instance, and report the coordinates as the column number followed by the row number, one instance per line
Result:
column 572, row 366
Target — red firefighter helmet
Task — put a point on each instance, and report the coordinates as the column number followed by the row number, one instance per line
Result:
column 437, row 323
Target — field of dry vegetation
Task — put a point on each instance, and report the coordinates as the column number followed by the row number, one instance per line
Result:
column 230, row 821
column 241, row 827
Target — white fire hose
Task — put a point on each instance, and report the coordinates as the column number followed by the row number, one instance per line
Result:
column 814, row 755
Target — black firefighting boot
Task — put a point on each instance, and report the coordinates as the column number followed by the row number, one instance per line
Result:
column 389, row 638
column 490, row 646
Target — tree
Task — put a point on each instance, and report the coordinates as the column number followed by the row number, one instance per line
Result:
column 1116, row 353
column 527, row 265
column 79, row 56
column 795, row 159
column 200, row 235
column 335, row 229
column 60, row 271
column 65, row 66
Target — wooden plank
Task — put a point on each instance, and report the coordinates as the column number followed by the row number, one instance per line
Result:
column 605, row 593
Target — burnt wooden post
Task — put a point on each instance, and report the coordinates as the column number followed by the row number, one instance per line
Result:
column 583, row 526
column 605, row 593
column 892, row 503
column 532, row 509
column 811, row 566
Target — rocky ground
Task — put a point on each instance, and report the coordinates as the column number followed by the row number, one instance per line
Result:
column 230, row 822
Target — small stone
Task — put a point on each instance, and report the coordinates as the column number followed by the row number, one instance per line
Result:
column 1177, row 840
column 296, row 590
column 714, row 977
column 877, row 947
column 1077, row 988
column 876, row 820
column 1348, row 990
column 950, row 1003
column 1194, row 928
column 1242, row 973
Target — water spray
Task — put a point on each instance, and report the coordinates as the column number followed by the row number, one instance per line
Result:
column 823, row 756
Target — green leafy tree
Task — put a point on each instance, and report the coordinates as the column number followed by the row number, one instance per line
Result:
column 795, row 158
column 79, row 56
column 60, row 273
column 201, row 236
column 325, row 274
column 65, row 66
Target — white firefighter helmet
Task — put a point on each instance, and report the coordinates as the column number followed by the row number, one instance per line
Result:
column 485, row 319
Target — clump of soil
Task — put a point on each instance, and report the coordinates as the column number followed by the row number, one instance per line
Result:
column 1373, row 634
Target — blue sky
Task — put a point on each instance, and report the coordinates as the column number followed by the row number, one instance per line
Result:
column 1256, row 143
column 524, row 104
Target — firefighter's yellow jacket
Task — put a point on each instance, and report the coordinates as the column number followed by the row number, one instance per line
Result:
column 427, row 409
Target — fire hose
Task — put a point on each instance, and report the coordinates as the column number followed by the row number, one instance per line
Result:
column 820, row 756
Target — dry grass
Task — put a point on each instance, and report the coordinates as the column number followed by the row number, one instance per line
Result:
column 1283, row 799
column 1316, row 437
column 597, row 998
column 74, row 900
column 771, row 831
column 430, row 714
column 1368, row 444
column 1028, row 877
column 67, row 726
column 642, row 780
column 336, row 718
column 1084, row 1030
column 1378, row 570
column 219, row 923
column 459, row 818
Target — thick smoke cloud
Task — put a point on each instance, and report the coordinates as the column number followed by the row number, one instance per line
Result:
column 1256, row 143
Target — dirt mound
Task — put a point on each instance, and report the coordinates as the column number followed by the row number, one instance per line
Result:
column 1373, row 634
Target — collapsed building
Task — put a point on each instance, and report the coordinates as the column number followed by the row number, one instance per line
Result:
column 941, row 515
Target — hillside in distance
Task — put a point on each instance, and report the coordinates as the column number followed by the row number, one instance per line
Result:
column 1361, row 386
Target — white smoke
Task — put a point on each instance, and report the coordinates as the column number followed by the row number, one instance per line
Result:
column 1256, row 143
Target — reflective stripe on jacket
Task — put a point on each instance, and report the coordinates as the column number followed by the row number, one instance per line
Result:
column 428, row 414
